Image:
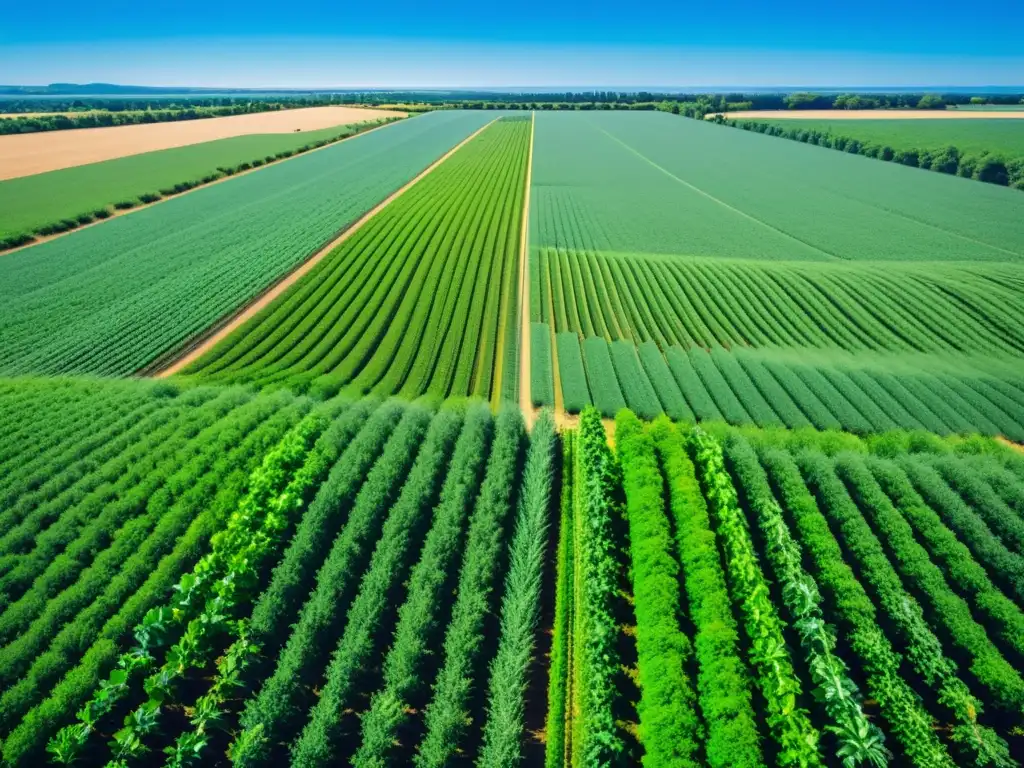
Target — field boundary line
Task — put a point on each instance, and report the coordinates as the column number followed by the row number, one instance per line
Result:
column 714, row 199
column 525, row 361
column 204, row 342
column 116, row 214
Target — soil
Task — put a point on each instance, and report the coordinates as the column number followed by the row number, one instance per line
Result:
column 525, row 403
column 24, row 154
column 217, row 333
column 873, row 114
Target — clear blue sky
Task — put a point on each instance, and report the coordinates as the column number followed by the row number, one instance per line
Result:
column 485, row 44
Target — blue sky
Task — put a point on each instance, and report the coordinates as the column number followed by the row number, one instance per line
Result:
column 423, row 44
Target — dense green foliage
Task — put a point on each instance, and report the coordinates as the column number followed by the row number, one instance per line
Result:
column 670, row 731
column 55, row 201
column 521, row 604
column 112, row 298
column 986, row 150
column 418, row 300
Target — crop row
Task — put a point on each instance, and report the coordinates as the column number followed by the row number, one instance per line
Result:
column 110, row 299
column 421, row 299
column 818, row 588
column 674, row 301
column 778, row 388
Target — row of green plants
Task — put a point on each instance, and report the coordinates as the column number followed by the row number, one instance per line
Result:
column 81, row 654
column 505, row 727
column 423, row 614
column 448, row 718
column 414, row 302
column 707, row 302
column 100, row 214
column 670, row 729
column 982, row 745
column 280, row 708
column 989, row 167
column 796, row 738
column 857, row 740
column 597, row 739
column 723, row 681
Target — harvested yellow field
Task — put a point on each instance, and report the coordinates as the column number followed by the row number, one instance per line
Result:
column 28, row 153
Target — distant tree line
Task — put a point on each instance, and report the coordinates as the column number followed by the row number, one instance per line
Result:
column 105, row 119
column 988, row 167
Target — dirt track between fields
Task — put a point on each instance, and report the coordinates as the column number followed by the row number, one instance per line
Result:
column 219, row 332
column 24, row 154
column 871, row 114
column 525, row 361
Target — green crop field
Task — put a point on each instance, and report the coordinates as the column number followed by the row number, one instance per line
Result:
column 652, row 183
column 112, row 298
column 423, row 299
column 31, row 202
column 997, row 136
column 619, row 438
column 817, row 300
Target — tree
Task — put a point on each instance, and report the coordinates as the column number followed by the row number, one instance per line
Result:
column 931, row 101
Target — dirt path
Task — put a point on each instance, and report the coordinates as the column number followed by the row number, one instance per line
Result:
column 525, row 403
column 872, row 114
column 25, row 154
column 219, row 331
column 142, row 206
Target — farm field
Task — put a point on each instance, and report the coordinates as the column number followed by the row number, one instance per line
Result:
column 314, row 544
column 113, row 298
column 30, row 203
column 422, row 300
column 29, row 153
column 805, row 318
column 271, row 492
column 654, row 183
column 975, row 137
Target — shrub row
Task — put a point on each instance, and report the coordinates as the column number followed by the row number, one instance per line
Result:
column 422, row 614
column 213, row 590
column 139, row 586
column 1005, row 565
column 520, row 606
column 857, row 740
column 559, row 714
column 722, row 679
column 962, row 570
column 448, row 716
column 903, row 611
column 277, row 710
column 788, row 723
column 596, row 739
column 988, row 167
column 670, row 730
column 901, row 707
